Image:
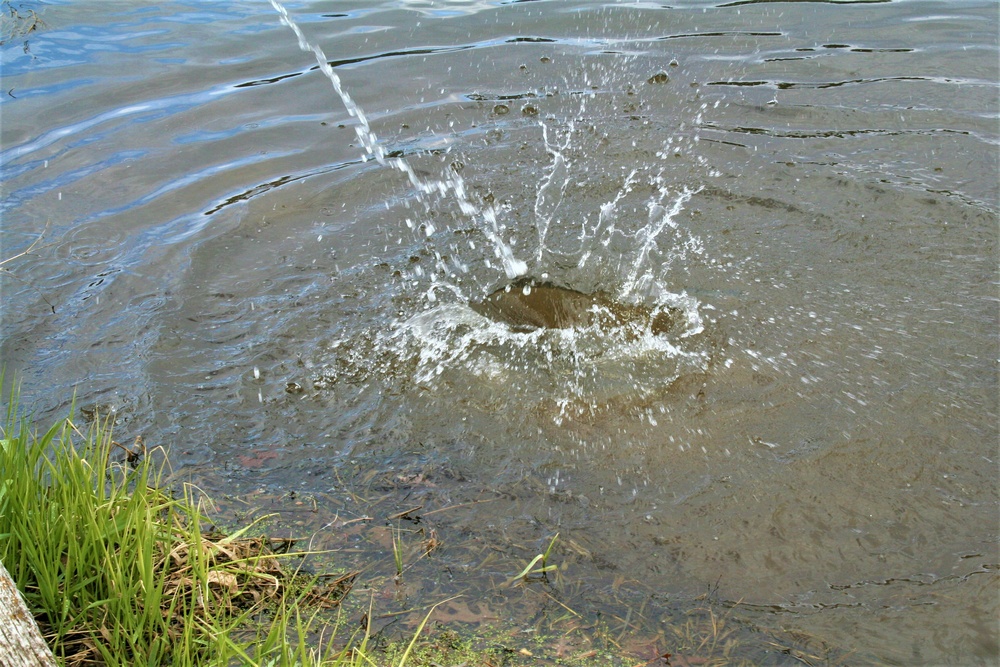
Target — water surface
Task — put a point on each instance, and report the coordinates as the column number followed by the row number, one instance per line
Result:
column 809, row 190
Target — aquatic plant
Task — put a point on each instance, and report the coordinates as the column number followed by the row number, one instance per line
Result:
column 543, row 558
column 17, row 22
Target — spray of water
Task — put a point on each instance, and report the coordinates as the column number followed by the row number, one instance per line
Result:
column 605, row 355
column 450, row 184
column 553, row 188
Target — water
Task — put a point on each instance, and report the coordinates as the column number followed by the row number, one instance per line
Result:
column 285, row 287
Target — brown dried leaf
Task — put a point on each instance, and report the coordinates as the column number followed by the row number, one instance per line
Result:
column 223, row 580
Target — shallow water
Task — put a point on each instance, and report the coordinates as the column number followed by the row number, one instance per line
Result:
column 811, row 187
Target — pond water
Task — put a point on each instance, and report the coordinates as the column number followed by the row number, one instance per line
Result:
column 708, row 288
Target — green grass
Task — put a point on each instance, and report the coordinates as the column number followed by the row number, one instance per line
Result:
column 121, row 572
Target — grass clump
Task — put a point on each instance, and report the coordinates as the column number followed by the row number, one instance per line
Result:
column 120, row 572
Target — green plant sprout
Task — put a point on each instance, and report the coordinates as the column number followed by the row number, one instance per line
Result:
column 543, row 558
column 397, row 551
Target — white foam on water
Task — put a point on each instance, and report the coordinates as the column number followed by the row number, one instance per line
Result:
column 577, row 369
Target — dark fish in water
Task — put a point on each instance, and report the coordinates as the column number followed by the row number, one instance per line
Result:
column 526, row 305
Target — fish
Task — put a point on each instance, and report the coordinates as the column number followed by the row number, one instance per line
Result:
column 526, row 305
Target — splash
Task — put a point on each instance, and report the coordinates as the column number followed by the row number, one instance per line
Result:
column 596, row 320
column 539, row 344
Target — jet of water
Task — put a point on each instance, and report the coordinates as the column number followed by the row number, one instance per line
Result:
column 451, row 184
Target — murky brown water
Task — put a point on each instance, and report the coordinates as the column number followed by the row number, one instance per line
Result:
column 808, row 189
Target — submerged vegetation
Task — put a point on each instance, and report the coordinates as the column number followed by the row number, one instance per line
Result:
column 17, row 21
column 120, row 570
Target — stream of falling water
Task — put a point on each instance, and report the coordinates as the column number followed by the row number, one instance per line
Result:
column 451, row 184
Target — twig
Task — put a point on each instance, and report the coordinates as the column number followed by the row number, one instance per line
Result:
column 547, row 594
column 28, row 250
column 22, row 254
column 404, row 513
